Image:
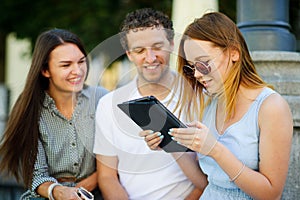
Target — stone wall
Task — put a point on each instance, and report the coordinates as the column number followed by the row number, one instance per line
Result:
column 282, row 70
column 292, row 187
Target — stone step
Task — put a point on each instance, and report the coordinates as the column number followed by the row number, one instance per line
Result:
column 277, row 65
column 282, row 70
column 285, row 87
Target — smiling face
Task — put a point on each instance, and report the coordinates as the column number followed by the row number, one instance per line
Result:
column 149, row 50
column 67, row 69
column 217, row 58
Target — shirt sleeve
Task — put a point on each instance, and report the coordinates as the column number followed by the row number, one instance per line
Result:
column 104, row 142
column 40, row 173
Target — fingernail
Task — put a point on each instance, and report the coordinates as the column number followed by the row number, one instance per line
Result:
column 150, row 131
column 170, row 130
column 172, row 138
column 159, row 134
column 169, row 133
column 178, row 142
column 161, row 137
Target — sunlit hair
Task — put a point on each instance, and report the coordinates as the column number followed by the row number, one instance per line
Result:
column 217, row 28
column 19, row 145
column 145, row 18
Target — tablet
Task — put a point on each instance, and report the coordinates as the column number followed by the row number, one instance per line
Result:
column 150, row 114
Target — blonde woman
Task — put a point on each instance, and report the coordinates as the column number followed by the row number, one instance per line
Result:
column 244, row 130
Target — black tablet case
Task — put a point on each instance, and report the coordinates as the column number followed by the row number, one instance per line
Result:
column 150, row 114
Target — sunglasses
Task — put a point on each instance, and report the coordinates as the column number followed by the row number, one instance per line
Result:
column 202, row 67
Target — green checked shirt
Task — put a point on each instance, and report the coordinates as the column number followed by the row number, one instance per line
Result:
column 65, row 148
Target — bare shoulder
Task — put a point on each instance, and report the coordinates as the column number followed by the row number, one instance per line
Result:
column 275, row 115
column 275, row 103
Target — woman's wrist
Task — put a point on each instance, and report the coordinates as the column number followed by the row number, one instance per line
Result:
column 216, row 150
column 51, row 190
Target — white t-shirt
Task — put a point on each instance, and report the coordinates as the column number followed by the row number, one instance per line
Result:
column 145, row 174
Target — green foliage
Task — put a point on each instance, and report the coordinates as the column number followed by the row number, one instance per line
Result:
column 228, row 7
column 92, row 20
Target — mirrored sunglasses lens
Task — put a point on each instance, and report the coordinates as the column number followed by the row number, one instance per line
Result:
column 203, row 68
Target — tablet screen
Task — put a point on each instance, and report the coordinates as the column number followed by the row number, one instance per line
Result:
column 150, row 114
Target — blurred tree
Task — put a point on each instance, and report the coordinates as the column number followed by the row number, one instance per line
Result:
column 92, row 20
column 229, row 8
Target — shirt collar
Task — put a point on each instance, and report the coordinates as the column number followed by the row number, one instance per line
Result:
column 50, row 103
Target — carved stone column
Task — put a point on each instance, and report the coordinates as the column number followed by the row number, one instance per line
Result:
column 265, row 24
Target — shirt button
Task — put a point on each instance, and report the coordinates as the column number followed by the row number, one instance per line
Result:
column 73, row 144
column 75, row 164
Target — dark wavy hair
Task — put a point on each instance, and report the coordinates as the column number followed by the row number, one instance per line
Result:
column 144, row 18
column 19, row 144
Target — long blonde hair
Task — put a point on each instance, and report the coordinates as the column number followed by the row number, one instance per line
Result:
column 217, row 28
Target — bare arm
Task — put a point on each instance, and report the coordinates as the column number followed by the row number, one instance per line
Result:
column 276, row 126
column 195, row 194
column 108, row 180
column 189, row 165
column 187, row 161
column 89, row 183
column 276, row 131
column 41, row 175
column 58, row 192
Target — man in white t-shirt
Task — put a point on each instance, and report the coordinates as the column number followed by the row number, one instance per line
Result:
column 127, row 168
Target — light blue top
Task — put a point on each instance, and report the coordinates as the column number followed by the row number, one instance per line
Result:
column 242, row 139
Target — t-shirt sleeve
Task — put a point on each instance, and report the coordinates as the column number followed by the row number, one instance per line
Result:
column 103, row 143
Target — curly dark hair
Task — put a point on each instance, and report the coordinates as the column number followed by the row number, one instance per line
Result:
column 144, row 18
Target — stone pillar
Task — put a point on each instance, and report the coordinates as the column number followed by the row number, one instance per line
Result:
column 18, row 60
column 184, row 13
column 281, row 69
column 265, row 24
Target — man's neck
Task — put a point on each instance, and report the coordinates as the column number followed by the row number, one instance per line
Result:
column 160, row 89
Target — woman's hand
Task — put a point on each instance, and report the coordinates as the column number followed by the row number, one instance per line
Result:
column 152, row 139
column 195, row 137
column 65, row 193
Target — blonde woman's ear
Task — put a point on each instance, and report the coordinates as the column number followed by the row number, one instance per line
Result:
column 234, row 55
